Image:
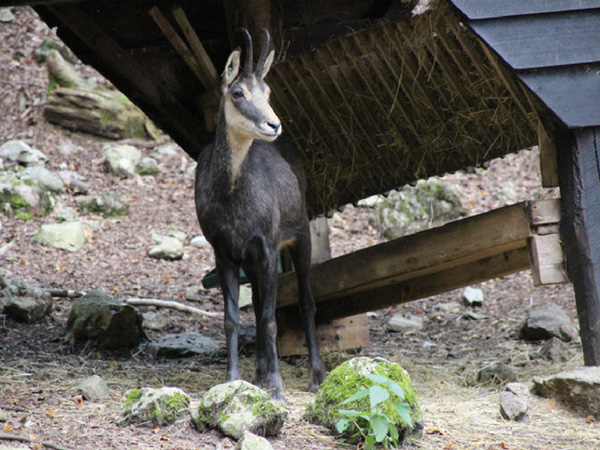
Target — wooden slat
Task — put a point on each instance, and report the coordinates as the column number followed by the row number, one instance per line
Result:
column 488, row 9
column 424, row 286
column 547, row 260
column 570, row 92
column 544, row 41
column 424, row 253
column 544, row 212
column 548, row 158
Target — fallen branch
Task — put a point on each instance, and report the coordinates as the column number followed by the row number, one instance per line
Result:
column 6, row 437
column 65, row 293
column 171, row 304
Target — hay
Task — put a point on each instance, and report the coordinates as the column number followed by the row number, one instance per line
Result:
column 398, row 102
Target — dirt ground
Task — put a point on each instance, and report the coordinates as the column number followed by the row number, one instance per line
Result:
column 39, row 372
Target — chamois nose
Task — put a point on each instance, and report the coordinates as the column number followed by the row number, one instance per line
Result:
column 275, row 126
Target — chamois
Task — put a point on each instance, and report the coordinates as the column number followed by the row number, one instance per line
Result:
column 250, row 201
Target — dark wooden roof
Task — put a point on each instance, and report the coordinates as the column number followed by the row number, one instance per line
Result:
column 552, row 45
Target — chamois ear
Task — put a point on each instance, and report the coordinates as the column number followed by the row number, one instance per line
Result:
column 232, row 68
column 267, row 66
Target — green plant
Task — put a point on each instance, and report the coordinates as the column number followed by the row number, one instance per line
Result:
column 373, row 425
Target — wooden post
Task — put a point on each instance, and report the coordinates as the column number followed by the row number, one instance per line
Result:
column 579, row 176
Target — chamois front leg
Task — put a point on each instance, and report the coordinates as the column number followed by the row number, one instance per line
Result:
column 300, row 252
column 229, row 275
column 261, row 267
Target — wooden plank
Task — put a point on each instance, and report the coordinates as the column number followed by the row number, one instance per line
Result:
column 488, row 9
column 544, row 41
column 548, row 161
column 579, row 172
column 547, row 260
column 347, row 333
column 570, row 92
column 544, row 212
column 423, row 253
column 423, row 286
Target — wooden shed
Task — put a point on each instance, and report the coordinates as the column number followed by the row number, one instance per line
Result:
column 377, row 94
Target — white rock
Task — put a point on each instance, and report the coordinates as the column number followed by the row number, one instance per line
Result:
column 200, row 242
column 66, row 236
column 472, row 296
column 404, row 323
column 250, row 441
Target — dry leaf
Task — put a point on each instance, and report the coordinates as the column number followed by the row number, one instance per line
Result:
column 433, row 431
column 590, row 419
column 165, row 437
column 449, row 446
column 507, row 446
column 78, row 399
column 156, row 429
column 37, row 446
column 7, row 428
column 50, row 413
column 34, row 437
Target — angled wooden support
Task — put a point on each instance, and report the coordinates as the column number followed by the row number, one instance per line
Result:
column 579, row 171
column 457, row 254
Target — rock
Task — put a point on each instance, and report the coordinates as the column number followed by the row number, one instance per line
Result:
column 514, row 402
column 156, row 320
column 200, row 242
column 577, row 389
column 546, row 321
column 168, row 247
column 169, row 149
column 250, row 441
column 6, row 15
column 147, row 166
column 3, row 416
column 471, row 315
column 105, row 322
column 24, row 302
column 122, row 160
column 472, row 296
column 109, row 204
column 555, row 350
column 93, row 388
column 150, row 407
column 404, row 323
column 68, row 236
column 74, row 181
column 181, row 345
column 344, row 381
column 44, row 178
column 415, row 208
column 21, row 199
column 66, row 214
column 498, row 373
column 20, row 152
column 239, row 406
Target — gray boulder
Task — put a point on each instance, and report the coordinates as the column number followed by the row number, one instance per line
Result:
column 151, row 407
column 93, row 388
column 180, row 345
column 415, row 208
column 122, row 159
column 22, row 153
column 555, row 350
column 156, row 320
column 250, row 441
column 68, row 236
column 147, row 166
column 498, row 373
column 578, row 389
column 546, row 321
column 24, row 302
column 404, row 323
column 239, row 406
column 514, row 402
column 108, row 204
column 170, row 247
column 105, row 322
column 43, row 178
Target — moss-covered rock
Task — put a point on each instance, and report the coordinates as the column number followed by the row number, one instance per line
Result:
column 109, row 204
column 154, row 406
column 239, row 406
column 346, row 379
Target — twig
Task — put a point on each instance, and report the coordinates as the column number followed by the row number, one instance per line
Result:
column 7, row 437
column 170, row 304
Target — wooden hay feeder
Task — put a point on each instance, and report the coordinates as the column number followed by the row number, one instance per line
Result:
column 375, row 98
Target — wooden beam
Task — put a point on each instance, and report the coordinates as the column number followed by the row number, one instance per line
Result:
column 425, row 253
column 548, row 158
column 579, row 176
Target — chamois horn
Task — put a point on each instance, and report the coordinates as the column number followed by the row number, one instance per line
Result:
column 249, row 55
column 260, row 66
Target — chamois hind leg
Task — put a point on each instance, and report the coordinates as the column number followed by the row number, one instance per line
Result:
column 228, row 274
column 261, row 267
column 301, row 257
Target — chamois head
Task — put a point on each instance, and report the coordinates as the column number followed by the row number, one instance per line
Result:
column 248, row 113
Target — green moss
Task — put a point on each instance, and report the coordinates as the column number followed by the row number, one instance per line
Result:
column 132, row 396
column 17, row 202
column 24, row 216
column 344, row 381
column 178, row 401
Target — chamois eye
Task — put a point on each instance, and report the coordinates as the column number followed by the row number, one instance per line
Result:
column 238, row 94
